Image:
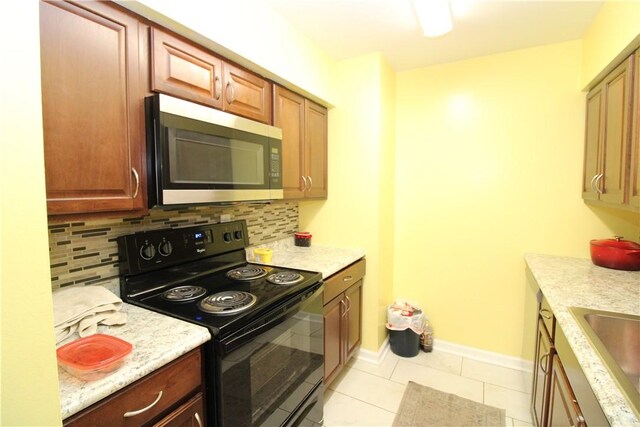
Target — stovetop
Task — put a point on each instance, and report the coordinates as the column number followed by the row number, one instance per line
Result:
column 201, row 262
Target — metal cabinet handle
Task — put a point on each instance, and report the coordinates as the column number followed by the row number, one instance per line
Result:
column 546, row 314
column 598, row 190
column 140, row 411
column 348, row 305
column 593, row 187
column 197, row 417
column 304, row 179
column 344, row 304
column 347, row 278
column 310, row 182
column 137, row 177
column 217, row 88
column 231, row 93
column 543, row 366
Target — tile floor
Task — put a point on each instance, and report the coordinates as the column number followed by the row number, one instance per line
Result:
column 366, row 394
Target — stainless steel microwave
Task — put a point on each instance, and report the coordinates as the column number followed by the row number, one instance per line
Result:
column 198, row 155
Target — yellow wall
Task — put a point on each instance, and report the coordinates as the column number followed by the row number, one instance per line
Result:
column 615, row 26
column 359, row 210
column 29, row 373
column 488, row 167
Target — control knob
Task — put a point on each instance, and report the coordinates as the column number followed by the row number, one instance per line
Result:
column 237, row 234
column 147, row 251
column 227, row 236
column 165, row 248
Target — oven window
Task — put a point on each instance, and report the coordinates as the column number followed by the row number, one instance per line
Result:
column 265, row 380
column 197, row 158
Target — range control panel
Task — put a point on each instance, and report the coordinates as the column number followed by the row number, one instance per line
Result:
column 152, row 250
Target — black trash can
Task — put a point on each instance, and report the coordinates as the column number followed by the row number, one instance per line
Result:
column 404, row 343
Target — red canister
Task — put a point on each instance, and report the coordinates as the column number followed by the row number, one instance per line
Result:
column 303, row 238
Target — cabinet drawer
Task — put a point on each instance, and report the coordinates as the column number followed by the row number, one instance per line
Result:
column 342, row 280
column 176, row 381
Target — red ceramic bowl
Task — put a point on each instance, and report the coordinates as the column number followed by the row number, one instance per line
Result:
column 616, row 253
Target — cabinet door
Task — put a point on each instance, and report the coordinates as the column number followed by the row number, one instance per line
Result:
column 563, row 407
column 540, row 392
column 246, row 94
column 191, row 414
column 92, row 108
column 185, row 71
column 594, row 133
column 288, row 115
column 333, row 337
column 634, row 172
column 316, row 149
column 353, row 297
column 617, row 108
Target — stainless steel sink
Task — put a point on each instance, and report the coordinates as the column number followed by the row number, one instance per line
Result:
column 616, row 339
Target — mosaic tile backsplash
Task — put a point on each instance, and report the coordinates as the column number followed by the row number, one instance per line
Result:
column 87, row 252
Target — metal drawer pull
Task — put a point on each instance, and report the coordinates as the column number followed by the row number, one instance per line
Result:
column 197, row 416
column 347, row 278
column 231, row 93
column 349, row 305
column 135, row 174
column 310, row 182
column 140, row 411
column 543, row 366
column 593, row 187
column 304, row 179
column 546, row 314
column 344, row 304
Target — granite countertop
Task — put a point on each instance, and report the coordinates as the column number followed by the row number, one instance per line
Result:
column 327, row 260
column 156, row 340
column 573, row 282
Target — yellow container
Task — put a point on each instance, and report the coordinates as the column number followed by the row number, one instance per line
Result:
column 263, row 255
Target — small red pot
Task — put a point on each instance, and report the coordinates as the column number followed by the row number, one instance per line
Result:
column 616, row 253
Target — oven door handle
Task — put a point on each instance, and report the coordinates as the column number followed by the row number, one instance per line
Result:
column 270, row 320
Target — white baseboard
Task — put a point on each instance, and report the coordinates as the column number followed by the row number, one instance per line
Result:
column 376, row 357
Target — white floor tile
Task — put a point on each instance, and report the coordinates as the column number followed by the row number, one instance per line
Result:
column 514, row 402
column 342, row 410
column 508, row 421
column 384, row 370
column 497, row 375
column 442, row 361
column 464, row 387
column 520, row 423
column 369, row 388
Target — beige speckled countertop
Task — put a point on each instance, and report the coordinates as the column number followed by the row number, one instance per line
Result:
column 325, row 259
column 574, row 282
column 156, row 340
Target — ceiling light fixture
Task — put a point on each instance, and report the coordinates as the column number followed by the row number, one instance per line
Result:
column 434, row 16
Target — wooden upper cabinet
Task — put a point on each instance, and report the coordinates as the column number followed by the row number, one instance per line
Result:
column 185, row 71
column 191, row 72
column 304, row 144
column 615, row 153
column 634, row 169
column 289, row 116
column 246, row 94
column 316, row 153
column 608, row 137
column 93, row 114
column 592, row 147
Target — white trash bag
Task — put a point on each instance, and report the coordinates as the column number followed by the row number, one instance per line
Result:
column 402, row 315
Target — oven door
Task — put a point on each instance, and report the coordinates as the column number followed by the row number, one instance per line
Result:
column 270, row 373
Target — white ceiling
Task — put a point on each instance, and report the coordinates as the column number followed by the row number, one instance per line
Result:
column 349, row 28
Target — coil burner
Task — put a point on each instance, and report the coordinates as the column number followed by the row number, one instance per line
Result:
column 184, row 293
column 227, row 302
column 248, row 272
column 285, row 278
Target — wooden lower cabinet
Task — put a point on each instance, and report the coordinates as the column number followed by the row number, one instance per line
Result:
column 342, row 318
column 542, row 365
column 553, row 401
column 170, row 396
column 563, row 406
